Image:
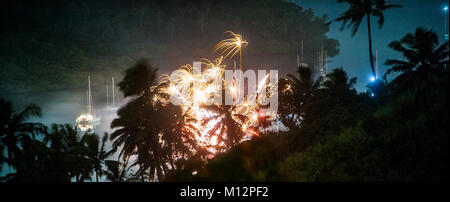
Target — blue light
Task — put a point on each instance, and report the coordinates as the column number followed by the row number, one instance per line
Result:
column 372, row 79
column 445, row 8
column 372, row 95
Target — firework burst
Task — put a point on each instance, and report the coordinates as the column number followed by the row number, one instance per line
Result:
column 214, row 126
column 232, row 45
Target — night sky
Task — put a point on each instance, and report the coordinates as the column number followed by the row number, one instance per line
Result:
column 354, row 52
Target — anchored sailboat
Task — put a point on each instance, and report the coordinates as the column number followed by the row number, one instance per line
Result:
column 88, row 120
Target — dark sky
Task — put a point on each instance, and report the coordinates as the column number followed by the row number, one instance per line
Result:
column 354, row 52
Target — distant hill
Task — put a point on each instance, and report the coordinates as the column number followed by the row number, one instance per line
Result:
column 48, row 44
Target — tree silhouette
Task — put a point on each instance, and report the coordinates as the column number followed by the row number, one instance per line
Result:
column 146, row 127
column 116, row 171
column 364, row 8
column 139, row 136
column 229, row 127
column 295, row 95
column 421, row 52
column 339, row 83
column 68, row 153
column 15, row 130
column 97, row 152
column 422, row 71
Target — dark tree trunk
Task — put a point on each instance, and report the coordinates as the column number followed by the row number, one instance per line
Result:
column 370, row 45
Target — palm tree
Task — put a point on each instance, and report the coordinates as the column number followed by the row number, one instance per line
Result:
column 135, row 131
column 420, row 50
column 97, row 152
column 30, row 163
column 295, row 93
column 59, row 156
column 138, row 136
column 170, row 123
column 364, row 8
column 338, row 82
column 424, row 57
column 116, row 171
column 68, row 152
column 228, row 125
column 138, row 80
column 14, row 129
column 140, row 129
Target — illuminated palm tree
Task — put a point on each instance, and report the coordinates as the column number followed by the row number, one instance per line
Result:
column 146, row 128
column 230, row 124
column 139, row 136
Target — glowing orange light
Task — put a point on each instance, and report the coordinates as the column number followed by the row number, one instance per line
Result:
column 200, row 122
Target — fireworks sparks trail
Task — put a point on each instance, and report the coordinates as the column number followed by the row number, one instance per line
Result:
column 206, row 118
column 232, row 45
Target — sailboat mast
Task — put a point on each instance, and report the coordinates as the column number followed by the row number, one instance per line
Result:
column 87, row 99
column 89, row 95
column 107, row 95
column 113, row 95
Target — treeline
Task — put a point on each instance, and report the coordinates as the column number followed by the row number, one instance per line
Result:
column 396, row 131
column 64, row 41
column 33, row 152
